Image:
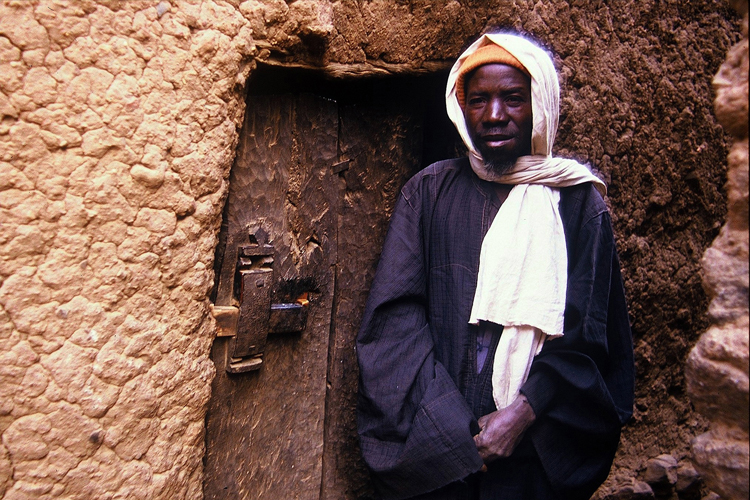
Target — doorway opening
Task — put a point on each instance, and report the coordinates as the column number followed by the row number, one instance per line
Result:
column 318, row 169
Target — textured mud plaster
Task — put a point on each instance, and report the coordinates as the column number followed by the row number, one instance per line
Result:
column 717, row 369
column 119, row 124
column 118, row 131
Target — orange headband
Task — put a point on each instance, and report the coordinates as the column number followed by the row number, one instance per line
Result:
column 486, row 54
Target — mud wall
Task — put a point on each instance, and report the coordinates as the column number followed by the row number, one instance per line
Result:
column 119, row 126
column 118, row 130
column 717, row 369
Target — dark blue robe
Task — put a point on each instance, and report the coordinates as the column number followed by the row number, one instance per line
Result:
column 420, row 394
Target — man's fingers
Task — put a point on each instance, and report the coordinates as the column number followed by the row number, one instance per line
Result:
column 482, row 420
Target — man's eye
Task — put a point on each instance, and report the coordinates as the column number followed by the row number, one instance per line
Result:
column 473, row 101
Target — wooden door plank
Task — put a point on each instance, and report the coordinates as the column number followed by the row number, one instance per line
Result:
column 383, row 141
column 265, row 429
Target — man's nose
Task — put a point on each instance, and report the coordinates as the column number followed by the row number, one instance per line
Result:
column 496, row 111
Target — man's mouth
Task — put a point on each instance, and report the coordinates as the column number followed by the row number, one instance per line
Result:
column 497, row 140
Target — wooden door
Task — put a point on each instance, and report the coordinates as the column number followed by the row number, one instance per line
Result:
column 317, row 177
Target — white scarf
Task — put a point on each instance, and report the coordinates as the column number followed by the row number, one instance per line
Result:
column 523, row 266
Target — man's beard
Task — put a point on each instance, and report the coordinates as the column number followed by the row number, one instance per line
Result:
column 498, row 164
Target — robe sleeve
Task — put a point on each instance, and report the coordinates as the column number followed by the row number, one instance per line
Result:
column 415, row 427
column 581, row 385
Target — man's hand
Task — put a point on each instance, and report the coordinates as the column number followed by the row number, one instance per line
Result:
column 502, row 430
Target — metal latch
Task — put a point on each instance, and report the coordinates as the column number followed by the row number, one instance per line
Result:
column 256, row 317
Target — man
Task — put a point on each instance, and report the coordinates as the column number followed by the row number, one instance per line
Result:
column 495, row 351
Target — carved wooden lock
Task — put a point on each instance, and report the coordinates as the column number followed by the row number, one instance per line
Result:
column 256, row 317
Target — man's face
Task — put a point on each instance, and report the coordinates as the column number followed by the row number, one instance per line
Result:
column 498, row 114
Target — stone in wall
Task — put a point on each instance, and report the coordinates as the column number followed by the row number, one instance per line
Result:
column 717, row 369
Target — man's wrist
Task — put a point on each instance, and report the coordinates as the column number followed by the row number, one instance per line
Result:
column 525, row 409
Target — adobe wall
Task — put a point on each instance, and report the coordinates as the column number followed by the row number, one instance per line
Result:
column 118, row 130
column 717, row 368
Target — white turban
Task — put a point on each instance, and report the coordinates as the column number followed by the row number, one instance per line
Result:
column 523, row 264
